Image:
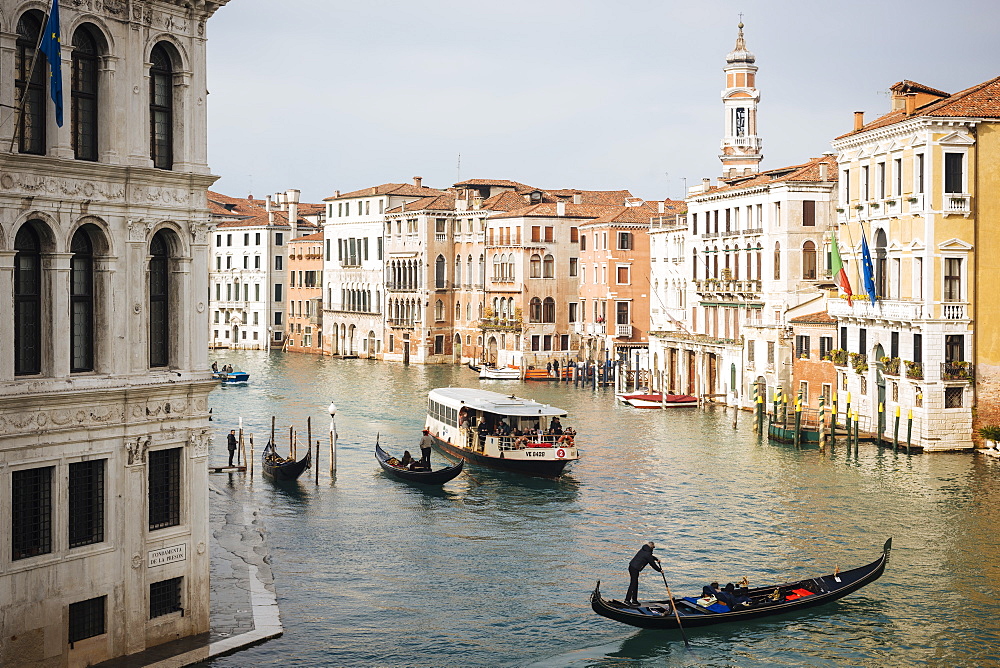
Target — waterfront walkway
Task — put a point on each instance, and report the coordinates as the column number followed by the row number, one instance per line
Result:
column 244, row 609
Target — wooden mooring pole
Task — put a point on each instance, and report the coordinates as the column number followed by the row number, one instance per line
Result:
column 895, row 432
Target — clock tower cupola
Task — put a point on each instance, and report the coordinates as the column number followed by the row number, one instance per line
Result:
column 741, row 147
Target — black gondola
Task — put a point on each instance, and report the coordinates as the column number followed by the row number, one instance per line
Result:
column 764, row 601
column 439, row 477
column 280, row 468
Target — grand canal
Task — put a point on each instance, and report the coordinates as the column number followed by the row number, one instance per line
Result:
column 496, row 570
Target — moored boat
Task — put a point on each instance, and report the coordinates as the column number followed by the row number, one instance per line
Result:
column 281, row 468
column 499, row 373
column 501, row 431
column 393, row 467
column 775, row 599
column 657, row 400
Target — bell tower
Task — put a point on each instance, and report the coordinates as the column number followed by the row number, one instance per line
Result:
column 740, row 144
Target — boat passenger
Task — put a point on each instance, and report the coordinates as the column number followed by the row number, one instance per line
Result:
column 215, row 367
column 555, row 427
column 567, row 436
column 406, row 460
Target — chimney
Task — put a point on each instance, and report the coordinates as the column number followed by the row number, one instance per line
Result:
column 859, row 120
column 267, row 204
column 822, row 171
column 705, row 185
column 660, row 206
column 577, row 198
column 417, row 180
column 560, row 208
column 336, row 193
column 477, row 203
column 911, row 103
column 292, row 197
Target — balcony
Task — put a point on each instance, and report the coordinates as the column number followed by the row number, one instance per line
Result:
column 400, row 287
column 954, row 311
column 744, row 142
column 915, row 203
column 715, row 286
column 958, row 203
column 881, row 310
column 953, row 371
column 595, row 328
column 623, row 331
column 404, row 323
column 672, row 222
column 501, row 324
column 753, row 230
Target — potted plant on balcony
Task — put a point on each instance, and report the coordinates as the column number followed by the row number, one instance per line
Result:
column 957, row 370
column 859, row 361
column 840, row 210
column 991, row 434
column 914, row 370
column 859, row 207
column 911, row 200
column 837, row 356
column 874, row 205
column 890, row 365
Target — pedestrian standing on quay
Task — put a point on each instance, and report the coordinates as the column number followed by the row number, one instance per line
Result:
column 555, row 367
column 548, row 368
column 231, row 442
column 642, row 557
column 426, row 442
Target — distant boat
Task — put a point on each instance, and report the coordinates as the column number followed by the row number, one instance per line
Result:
column 765, row 601
column 499, row 373
column 232, row 377
column 281, row 468
column 391, row 466
column 657, row 400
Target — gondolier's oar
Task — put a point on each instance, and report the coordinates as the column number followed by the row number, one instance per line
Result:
column 673, row 604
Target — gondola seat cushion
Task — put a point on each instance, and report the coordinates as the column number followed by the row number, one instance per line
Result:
column 715, row 607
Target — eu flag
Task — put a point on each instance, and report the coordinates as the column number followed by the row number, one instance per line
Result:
column 51, row 46
column 867, row 270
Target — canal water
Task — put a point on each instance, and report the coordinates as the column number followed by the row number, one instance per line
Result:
column 496, row 569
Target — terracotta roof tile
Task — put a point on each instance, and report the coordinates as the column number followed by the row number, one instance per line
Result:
column 441, row 202
column 807, row 172
column 400, row 189
column 520, row 187
column 818, row 318
column 505, row 201
column 979, row 101
column 316, row 236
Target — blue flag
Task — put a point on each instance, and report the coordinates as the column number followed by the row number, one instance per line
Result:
column 867, row 270
column 51, row 46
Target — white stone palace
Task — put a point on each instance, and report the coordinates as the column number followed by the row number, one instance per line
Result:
column 104, row 234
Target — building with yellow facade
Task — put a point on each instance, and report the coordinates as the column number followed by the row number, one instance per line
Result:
column 919, row 186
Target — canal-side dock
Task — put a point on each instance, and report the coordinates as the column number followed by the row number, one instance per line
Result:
column 244, row 608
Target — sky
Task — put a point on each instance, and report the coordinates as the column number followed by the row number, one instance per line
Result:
column 327, row 95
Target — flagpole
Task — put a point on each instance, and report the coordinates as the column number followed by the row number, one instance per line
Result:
column 27, row 82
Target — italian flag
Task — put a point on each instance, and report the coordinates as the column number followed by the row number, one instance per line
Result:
column 837, row 269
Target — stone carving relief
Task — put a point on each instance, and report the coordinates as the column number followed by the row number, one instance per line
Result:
column 200, row 232
column 116, row 7
column 58, row 418
column 61, row 187
column 137, row 449
column 138, row 231
column 198, row 443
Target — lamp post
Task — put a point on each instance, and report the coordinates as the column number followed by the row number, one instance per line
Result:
column 333, row 437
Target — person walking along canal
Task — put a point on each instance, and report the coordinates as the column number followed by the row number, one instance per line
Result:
column 642, row 557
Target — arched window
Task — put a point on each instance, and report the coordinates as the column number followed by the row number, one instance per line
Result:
column 27, row 302
column 583, row 242
column 510, row 266
column 438, row 310
column 548, row 267
column 159, row 301
column 84, row 95
column 809, row 260
column 161, row 109
column 458, row 310
column 458, row 271
column 30, row 86
column 482, row 269
column 535, row 267
column 439, row 272
column 535, row 310
column 715, row 263
column 81, row 295
column 694, row 264
column 496, row 267
column 549, row 310
column 777, row 261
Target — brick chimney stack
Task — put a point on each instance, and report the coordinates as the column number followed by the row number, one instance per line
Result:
column 859, row 120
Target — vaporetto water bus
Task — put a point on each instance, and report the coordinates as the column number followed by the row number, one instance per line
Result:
column 501, row 431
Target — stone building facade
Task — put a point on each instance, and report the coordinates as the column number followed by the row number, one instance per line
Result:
column 305, row 294
column 104, row 238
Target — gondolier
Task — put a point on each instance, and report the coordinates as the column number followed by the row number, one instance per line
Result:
column 642, row 557
column 426, row 441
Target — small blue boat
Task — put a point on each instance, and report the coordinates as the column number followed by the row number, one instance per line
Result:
column 232, row 377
